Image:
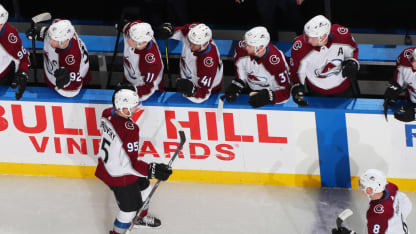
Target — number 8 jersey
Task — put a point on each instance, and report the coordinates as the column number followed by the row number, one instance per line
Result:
column 118, row 151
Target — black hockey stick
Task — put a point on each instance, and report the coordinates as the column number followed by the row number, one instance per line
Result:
column 36, row 19
column 167, row 65
column 113, row 58
column 146, row 202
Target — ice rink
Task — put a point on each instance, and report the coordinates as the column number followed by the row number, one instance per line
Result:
column 35, row 205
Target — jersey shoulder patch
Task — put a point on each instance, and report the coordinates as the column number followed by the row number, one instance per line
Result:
column 150, row 58
column 129, row 125
column 70, row 59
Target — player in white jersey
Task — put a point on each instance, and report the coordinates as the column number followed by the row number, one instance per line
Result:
column 201, row 68
column 262, row 67
column 65, row 57
column 14, row 62
column 325, row 60
column 388, row 207
column 118, row 163
column 404, row 79
column 143, row 66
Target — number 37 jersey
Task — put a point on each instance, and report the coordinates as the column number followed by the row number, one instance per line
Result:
column 119, row 147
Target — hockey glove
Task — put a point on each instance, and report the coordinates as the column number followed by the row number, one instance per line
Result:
column 164, row 31
column 234, row 90
column 262, row 98
column 37, row 33
column 121, row 25
column 405, row 114
column 62, row 77
column 392, row 93
column 350, row 68
column 186, row 87
column 19, row 81
column 342, row 230
column 159, row 171
column 298, row 93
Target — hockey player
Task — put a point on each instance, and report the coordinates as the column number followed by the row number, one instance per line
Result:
column 262, row 67
column 15, row 62
column 404, row 79
column 324, row 59
column 201, row 67
column 143, row 66
column 118, row 163
column 65, row 57
column 388, row 208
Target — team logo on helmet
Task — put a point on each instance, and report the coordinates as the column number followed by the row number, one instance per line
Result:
column 274, row 59
column 150, row 58
column 297, row 45
column 208, row 62
column 12, row 38
column 129, row 125
column 342, row 30
column 70, row 60
column 379, row 209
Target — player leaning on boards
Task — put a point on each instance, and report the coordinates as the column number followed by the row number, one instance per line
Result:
column 15, row 62
column 200, row 65
column 404, row 79
column 118, row 163
column 324, row 61
column 65, row 57
column 143, row 66
column 388, row 207
column 262, row 67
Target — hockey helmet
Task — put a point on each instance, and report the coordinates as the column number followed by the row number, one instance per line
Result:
column 318, row 26
column 141, row 32
column 4, row 15
column 126, row 98
column 257, row 36
column 200, row 34
column 414, row 54
column 372, row 178
column 61, row 30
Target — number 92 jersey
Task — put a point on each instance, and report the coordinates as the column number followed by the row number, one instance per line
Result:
column 118, row 151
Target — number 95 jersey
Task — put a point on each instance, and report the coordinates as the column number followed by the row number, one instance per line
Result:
column 118, row 151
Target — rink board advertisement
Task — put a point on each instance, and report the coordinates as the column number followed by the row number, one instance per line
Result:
column 387, row 145
column 61, row 139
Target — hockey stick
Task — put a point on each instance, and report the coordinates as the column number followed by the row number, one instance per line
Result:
column 343, row 216
column 146, row 202
column 110, row 66
column 36, row 19
column 220, row 107
column 385, row 106
column 167, row 64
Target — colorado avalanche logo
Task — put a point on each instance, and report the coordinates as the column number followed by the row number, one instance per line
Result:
column 297, row 45
column 12, row 38
column 408, row 53
column 242, row 44
column 70, row 60
column 258, row 80
column 379, row 209
column 329, row 69
column 342, row 30
column 150, row 58
column 129, row 125
column 274, row 59
column 208, row 62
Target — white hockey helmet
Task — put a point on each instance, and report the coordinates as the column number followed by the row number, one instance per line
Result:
column 373, row 178
column 257, row 36
column 61, row 30
column 4, row 15
column 141, row 32
column 126, row 98
column 200, row 34
column 318, row 26
column 414, row 54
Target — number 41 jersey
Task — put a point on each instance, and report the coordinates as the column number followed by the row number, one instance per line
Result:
column 119, row 147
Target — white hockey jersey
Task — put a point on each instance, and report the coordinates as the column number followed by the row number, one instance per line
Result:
column 405, row 75
column 321, row 67
column 204, row 69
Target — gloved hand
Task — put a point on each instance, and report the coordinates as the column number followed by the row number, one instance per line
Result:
column 121, row 24
column 37, row 33
column 62, row 77
column 298, row 93
column 19, row 81
column 186, row 87
column 392, row 93
column 342, row 230
column 350, row 68
column 234, row 90
column 405, row 114
column 261, row 98
column 164, row 31
column 159, row 171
